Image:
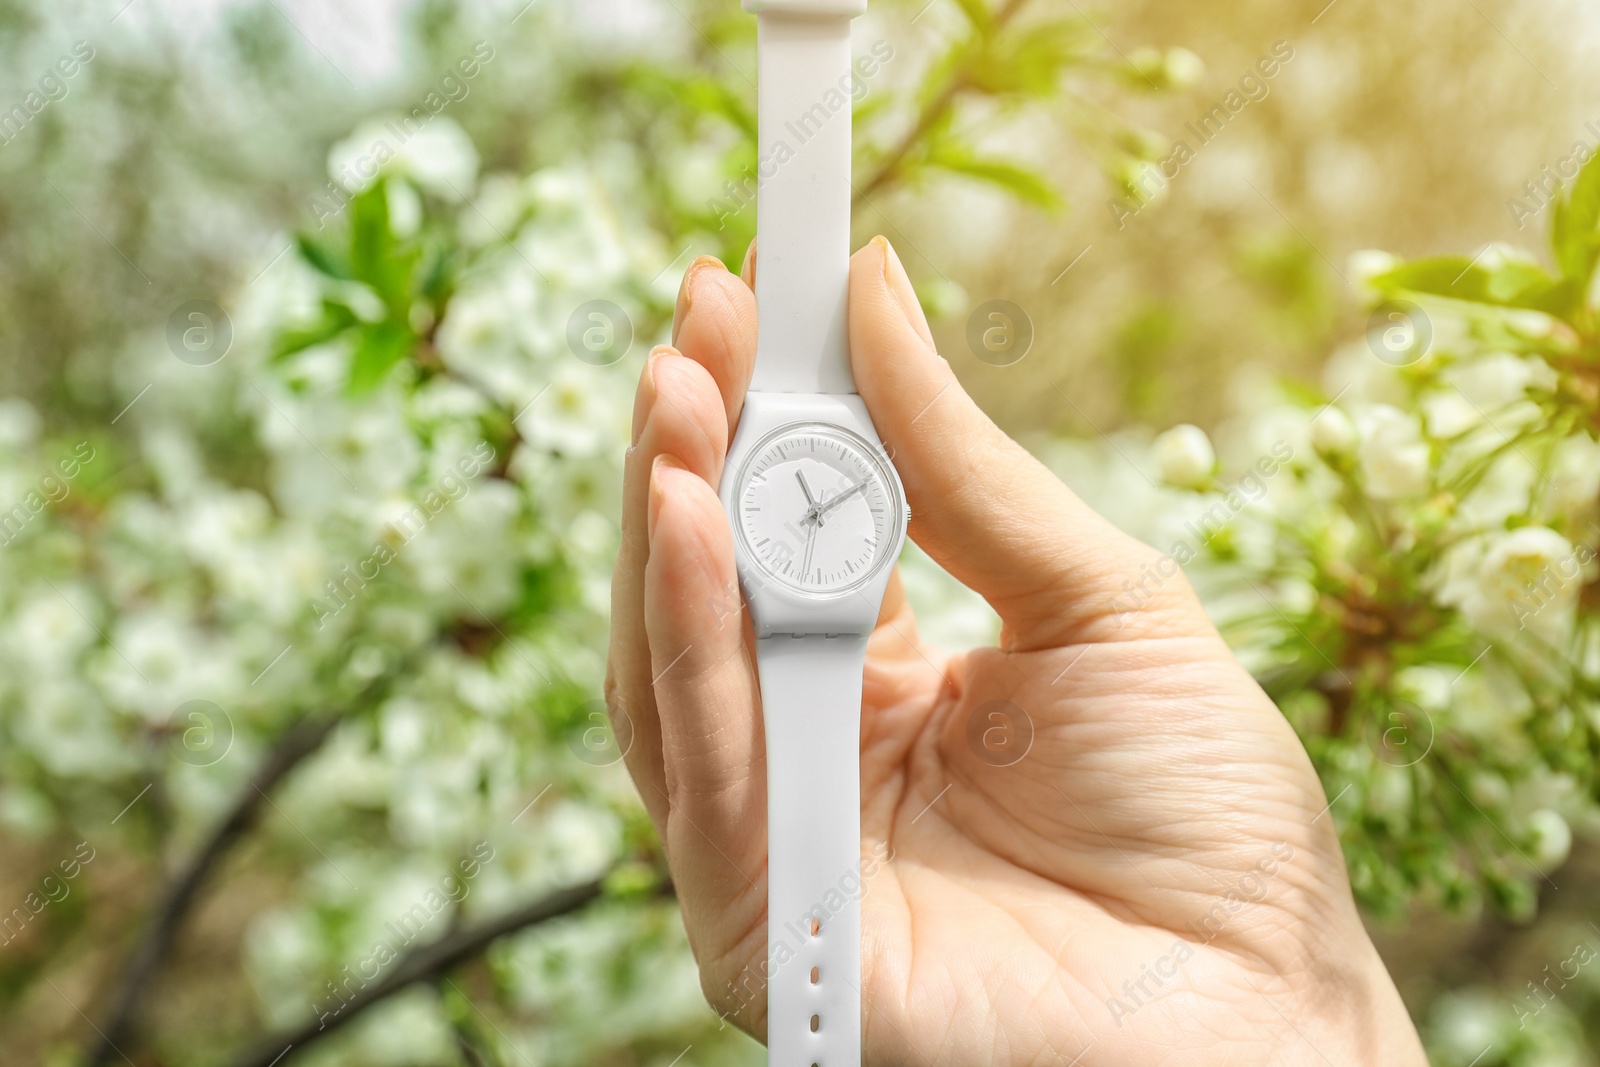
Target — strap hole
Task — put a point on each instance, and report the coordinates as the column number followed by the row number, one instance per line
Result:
column 815, row 974
column 816, row 1022
column 816, row 926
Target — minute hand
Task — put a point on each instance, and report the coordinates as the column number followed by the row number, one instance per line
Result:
column 836, row 501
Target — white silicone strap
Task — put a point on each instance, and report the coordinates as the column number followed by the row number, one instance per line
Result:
column 811, row 704
column 803, row 202
column 810, row 683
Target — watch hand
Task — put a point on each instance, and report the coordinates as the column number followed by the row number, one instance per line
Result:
column 811, row 541
column 836, row 501
column 812, row 510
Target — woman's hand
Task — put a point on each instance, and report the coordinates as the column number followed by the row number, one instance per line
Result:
column 1155, row 881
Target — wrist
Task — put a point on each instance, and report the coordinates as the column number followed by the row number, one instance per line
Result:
column 1355, row 1014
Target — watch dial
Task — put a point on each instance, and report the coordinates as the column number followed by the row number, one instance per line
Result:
column 818, row 509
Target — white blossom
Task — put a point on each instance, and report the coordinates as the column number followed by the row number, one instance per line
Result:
column 1552, row 839
column 1575, row 477
column 67, row 727
column 1394, row 457
column 438, row 156
column 580, row 414
column 1333, row 435
column 1524, row 579
column 497, row 211
column 1185, row 457
column 1368, row 263
column 1428, row 687
column 19, row 423
column 47, row 632
column 1183, row 67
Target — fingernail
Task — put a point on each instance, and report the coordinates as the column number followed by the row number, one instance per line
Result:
column 747, row 270
column 658, row 490
column 645, row 398
column 899, row 283
column 686, row 289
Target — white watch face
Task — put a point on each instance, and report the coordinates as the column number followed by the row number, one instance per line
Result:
column 818, row 508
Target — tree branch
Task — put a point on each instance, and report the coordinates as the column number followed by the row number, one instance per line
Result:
column 929, row 116
column 138, row 973
column 428, row 962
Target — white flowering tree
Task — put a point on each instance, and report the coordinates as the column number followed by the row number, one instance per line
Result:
column 1406, row 557
column 303, row 639
column 306, row 639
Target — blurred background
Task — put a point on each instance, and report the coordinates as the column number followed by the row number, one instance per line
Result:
column 318, row 331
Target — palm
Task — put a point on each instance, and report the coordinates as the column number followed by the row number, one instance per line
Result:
column 1149, row 877
column 1060, row 907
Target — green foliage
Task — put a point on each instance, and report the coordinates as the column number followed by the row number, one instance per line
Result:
column 1575, row 225
column 207, row 552
column 1497, row 279
column 1507, row 282
column 393, row 289
column 1007, row 61
column 1420, row 597
column 393, row 504
column 1021, row 182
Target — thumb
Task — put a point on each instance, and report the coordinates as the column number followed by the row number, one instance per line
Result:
column 982, row 506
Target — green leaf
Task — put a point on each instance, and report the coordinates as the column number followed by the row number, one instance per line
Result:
column 1015, row 179
column 1031, row 62
column 1513, row 283
column 438, row 277
column 324, row 260
column 872, row 105
column 370, row 239
column 1573, row 236
column 1301, row 392
column 336, row 318
column 633, row 881
column 718, row 98
column 397, row 277
column 379, row 348
column 977, row 13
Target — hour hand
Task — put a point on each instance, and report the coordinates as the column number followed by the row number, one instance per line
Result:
column 812, row 510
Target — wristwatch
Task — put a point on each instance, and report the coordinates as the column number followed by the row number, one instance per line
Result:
column 818, row 516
